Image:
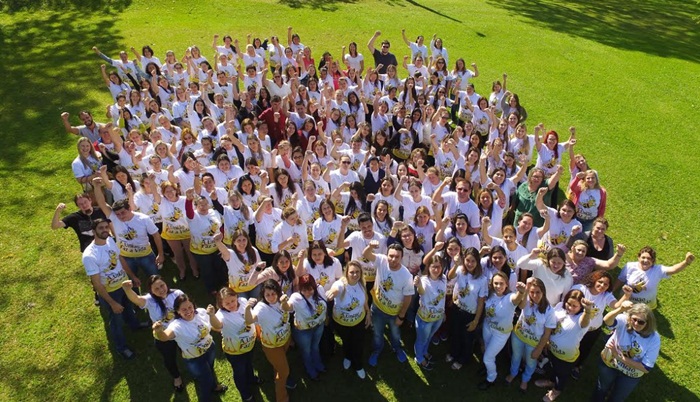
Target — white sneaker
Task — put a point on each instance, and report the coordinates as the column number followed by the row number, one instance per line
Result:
column 361, row 374
column 449, row 358
column 346, row 364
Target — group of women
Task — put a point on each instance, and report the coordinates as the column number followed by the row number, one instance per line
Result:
column 269, row 175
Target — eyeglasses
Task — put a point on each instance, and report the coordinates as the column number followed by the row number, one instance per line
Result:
column 385, row 47
column 345, row 162
column 638, row 321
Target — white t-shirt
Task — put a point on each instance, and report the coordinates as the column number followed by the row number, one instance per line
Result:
column 634, row 346
column 132, row 236
column 469, row 208
column 240, row 271
column 559, row 231
column 324, row 276
column 555, row 284
column 104, row 260
column 274, row 324
column 645, row 284
column 358, row 244
column 600, row 302
column 265, row 229
column 193, row 337
column 283, row 231
column 498, row 313
column 432, row 302
column 203, row 228
column 531, row 323
column 349, row 306
column 354, row 62
column 567, row 335
column 236, row 337
column 308, row 313
column 390, row 287
column 468, row 290
column 327, row 231
column 154, row 311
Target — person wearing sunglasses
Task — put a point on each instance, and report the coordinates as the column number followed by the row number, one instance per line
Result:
column 630, row 352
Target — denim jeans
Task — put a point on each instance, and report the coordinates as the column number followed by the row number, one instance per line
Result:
column 621, row 384
column 521, row 350
column 424, row 333
column 116, row 321
column 202, row 370
column 494, row 341
column 380, row 320
column 148, row 263
column 243, row 375
column 308, row 341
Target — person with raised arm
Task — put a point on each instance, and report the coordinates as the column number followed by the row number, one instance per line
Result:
column 191, row 329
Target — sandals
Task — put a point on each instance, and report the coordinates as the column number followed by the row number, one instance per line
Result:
column 179, row 388
column 523, row 387
column 551, row 395
column 220, row 389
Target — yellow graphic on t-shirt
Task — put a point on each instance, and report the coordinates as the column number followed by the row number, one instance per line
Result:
column 557, row 330
column 130, row 234
column 491, row 311
column 388, row 284
column 530, row 319
column 177, row 214
column 639, row 286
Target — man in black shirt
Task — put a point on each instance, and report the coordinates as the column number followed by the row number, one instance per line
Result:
column 382, row 57
column 81, row 221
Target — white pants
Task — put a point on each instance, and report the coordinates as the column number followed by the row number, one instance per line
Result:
column 494, row 342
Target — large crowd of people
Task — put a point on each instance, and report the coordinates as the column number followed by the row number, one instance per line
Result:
column 343, row 197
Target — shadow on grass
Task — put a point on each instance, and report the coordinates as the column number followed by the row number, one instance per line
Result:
column 334, row 5
column 662, row 28
column 323, row 5
column 13, row 6
column 51, row 65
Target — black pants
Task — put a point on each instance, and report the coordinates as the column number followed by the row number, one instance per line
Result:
column 169, row 352
column 353, row 343
column 461, row 341
column 586, row 345
column 562, row 372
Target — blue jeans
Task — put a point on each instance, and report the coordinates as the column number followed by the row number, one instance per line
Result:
column 521, row 350
column 202, row 370
column 116, row 321
column 243, row 375
column 621, row 384
column 148, row 263
column 424, row 333
column 380, row 320
column 308, row 341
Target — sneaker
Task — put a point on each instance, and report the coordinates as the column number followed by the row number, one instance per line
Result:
column 291, row 384
column 361, row 373
column 401, row 355
column 435, row 340
column 456, row 366
column 373, row 359
column 424, row 366
column 97, row 300
column 575, row 373
column 484, row 385
column 449, row 358
column 346, row 364
column 127, row 354
column 443, row 337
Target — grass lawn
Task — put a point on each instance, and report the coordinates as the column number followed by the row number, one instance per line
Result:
column 624, row 73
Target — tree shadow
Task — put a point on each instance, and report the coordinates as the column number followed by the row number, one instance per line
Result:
column 323, row 5
column 432, row 10
column 50, row 64
column 13, row 6
column 662, row 28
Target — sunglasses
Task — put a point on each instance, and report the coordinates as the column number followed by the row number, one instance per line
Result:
column 638, row 321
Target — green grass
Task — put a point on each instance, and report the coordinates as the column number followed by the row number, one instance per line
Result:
column 624, row 73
